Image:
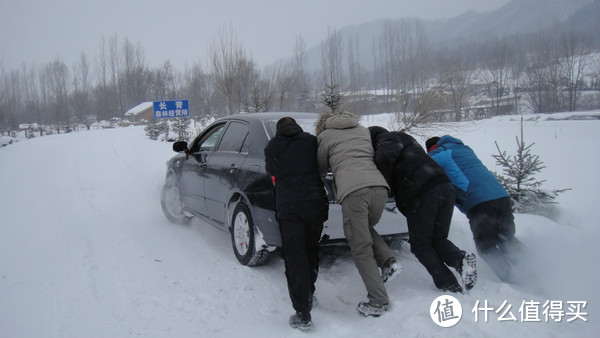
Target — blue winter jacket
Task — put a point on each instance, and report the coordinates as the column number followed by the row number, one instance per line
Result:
column 473, row 182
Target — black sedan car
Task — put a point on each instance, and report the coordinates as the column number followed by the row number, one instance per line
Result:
column 221, row 179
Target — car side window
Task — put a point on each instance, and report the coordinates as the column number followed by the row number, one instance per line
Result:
column 208, row 141
column 234, row 138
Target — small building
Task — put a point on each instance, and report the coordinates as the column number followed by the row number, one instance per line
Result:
column 142, row 113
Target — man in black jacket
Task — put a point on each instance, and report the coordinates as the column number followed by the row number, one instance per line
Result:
column 424, row 194
column 301, row 208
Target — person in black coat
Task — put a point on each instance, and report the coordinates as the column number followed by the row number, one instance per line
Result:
column 301, row 209
column 424, row 194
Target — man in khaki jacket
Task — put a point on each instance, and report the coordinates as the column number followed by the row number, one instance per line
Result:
column 345, row 148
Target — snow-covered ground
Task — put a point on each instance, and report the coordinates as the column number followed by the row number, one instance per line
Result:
column 86, row 252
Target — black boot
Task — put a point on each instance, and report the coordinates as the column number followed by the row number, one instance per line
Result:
column 301, row 320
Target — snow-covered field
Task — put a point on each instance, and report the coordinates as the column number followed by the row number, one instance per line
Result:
column 86, row 252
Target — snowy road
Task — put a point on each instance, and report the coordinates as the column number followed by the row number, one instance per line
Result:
column 86, row 252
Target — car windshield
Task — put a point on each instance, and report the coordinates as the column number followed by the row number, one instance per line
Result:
column 308, row 125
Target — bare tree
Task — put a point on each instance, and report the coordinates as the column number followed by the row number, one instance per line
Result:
column 80, row 97
column 417, row 94
column 246, row 76
column 56, row 74
column 597, row 72
column 331, row 59
column 388, row 56
column 198, row 91
column 420, row 66
column 14, row 99
column 574, row 57
column 542, row 75
column 31, row 90
column 233, row 73
column 304, row 90
column 354, row 71
column 114, row 65
column 4, row 102
column 424, row 112
column 277, row 83
column 104, row 101
column 517, row 67
column 134, row 75
column 163, row 82
column 454, row 81
column 495, row 62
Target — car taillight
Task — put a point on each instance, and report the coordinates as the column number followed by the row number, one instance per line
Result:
column 273, row 180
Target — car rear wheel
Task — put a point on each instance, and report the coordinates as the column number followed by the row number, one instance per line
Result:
column 242, row 237
column 170, row 200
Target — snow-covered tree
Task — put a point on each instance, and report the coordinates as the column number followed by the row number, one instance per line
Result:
column 154, row 129
column 180, row 127
column 520, row 179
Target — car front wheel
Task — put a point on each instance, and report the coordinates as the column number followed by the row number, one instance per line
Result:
column 242, row 237
column 170, row 200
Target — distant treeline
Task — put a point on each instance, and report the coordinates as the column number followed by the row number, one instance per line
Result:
column 551, row 70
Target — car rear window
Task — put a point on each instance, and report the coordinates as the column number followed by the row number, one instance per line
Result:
column 308, row 125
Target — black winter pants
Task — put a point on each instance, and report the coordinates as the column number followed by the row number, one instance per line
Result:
column 428, row 227
column 493, row 227
column 300, row 237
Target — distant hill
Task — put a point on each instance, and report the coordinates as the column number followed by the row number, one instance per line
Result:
column 517, row 16
column 587, row 19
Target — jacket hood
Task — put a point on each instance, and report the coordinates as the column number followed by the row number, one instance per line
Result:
column 447, row 139
column 330, row 120
column 289, row 130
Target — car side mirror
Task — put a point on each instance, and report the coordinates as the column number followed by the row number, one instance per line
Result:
column 180, row 146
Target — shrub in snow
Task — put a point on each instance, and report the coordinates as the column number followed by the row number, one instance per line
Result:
column 154, row 129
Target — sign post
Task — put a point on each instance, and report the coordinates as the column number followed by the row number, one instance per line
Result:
column 174, row 108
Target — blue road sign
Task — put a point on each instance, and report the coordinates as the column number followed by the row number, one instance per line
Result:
column 175, row 108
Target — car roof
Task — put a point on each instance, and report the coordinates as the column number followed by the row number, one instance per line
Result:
column 271, row 116
column 267, row 120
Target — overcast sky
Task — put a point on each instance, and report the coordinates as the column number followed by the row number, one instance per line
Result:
column 35, row 32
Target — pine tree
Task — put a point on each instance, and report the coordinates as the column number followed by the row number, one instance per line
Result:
column 332, row 98
column 520, row 179
column 180, row 126
column 154, row 129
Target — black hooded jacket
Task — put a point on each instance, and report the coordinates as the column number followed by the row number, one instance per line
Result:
column 291, row 157
column 409, row 171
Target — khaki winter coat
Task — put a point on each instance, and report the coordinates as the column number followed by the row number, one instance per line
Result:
column 345, row 148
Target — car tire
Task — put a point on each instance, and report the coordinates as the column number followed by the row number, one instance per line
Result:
column 242, row 237
column 172, row 205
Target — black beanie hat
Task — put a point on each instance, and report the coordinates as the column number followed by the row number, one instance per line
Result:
column 431, row 142
column 283, row 121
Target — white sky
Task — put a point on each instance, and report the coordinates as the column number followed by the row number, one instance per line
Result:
column 35, row 32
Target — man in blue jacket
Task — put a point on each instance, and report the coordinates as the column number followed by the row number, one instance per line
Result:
column 482, row 198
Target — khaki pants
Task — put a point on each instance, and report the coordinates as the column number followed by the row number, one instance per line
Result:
column 361, row 211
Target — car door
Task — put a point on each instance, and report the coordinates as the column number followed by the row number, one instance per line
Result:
column 224, row 167
column 193, row 173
